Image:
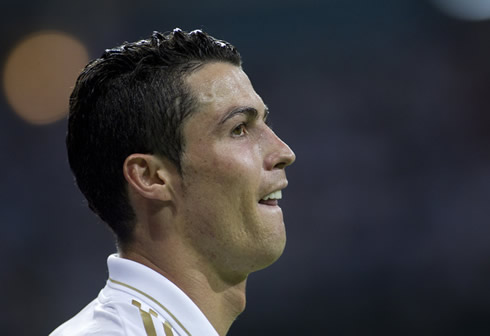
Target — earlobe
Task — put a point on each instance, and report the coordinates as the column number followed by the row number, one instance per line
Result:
column 145, row 175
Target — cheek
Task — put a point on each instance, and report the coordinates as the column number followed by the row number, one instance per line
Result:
column 227, row 165
column 222, row 188
column 222, row 182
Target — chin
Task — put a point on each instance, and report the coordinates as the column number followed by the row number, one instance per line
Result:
column 271, row 251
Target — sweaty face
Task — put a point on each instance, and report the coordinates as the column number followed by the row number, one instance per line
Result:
column 232, row 162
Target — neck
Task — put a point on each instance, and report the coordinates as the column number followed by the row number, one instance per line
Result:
column 220, row 299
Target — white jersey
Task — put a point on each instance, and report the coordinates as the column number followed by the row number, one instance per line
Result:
column 137, row 301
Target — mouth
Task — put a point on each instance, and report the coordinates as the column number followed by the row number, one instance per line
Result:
column 272, row 198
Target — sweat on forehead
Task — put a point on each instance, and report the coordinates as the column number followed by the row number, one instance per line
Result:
column 215, row 82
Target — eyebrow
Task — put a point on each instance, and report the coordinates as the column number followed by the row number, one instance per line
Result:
column 250, row 112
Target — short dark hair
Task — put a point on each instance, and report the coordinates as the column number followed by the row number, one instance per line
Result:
column 133, row 99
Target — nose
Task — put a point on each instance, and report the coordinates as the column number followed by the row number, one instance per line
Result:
column 280, row 155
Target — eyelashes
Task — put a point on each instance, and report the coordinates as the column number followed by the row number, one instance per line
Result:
column 243, row 128
column 268, row 122
column 240, row 130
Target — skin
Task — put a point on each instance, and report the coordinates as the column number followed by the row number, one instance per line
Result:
column 211, row 217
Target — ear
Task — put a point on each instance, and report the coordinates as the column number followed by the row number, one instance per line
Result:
column 149, row 176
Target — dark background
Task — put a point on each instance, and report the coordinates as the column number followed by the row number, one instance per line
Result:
column 386, row 105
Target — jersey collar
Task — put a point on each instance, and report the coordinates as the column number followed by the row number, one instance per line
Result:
column 159, row 292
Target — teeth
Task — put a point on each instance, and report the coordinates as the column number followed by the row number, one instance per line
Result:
column 273, row 195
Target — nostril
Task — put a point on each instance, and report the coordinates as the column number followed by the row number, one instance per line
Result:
column 280, row 155
column 281, row 158
column 280, row 165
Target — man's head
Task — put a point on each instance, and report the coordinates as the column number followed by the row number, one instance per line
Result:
column 169, row 133
column 134, row 100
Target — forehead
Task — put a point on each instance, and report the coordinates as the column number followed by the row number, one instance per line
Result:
column 219, row 87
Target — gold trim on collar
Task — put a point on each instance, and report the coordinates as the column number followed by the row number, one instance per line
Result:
column 146, row 318
column 168, row 329
column 154, row 300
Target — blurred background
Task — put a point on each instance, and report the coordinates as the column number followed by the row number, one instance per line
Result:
column 387, row 106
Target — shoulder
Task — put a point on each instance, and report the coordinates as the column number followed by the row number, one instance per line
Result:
column 95, row 319
column 112, row 313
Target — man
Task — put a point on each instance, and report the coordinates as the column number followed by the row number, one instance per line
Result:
column 168, row 141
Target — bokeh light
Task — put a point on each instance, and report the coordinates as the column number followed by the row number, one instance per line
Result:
column 472, row 10
column 40, row 73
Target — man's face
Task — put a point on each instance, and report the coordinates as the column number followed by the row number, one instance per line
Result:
column 231, row 161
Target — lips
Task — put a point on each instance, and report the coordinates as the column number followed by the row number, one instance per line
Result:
column 269, row 202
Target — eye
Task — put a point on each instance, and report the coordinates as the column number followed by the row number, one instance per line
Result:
column 240, row 130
